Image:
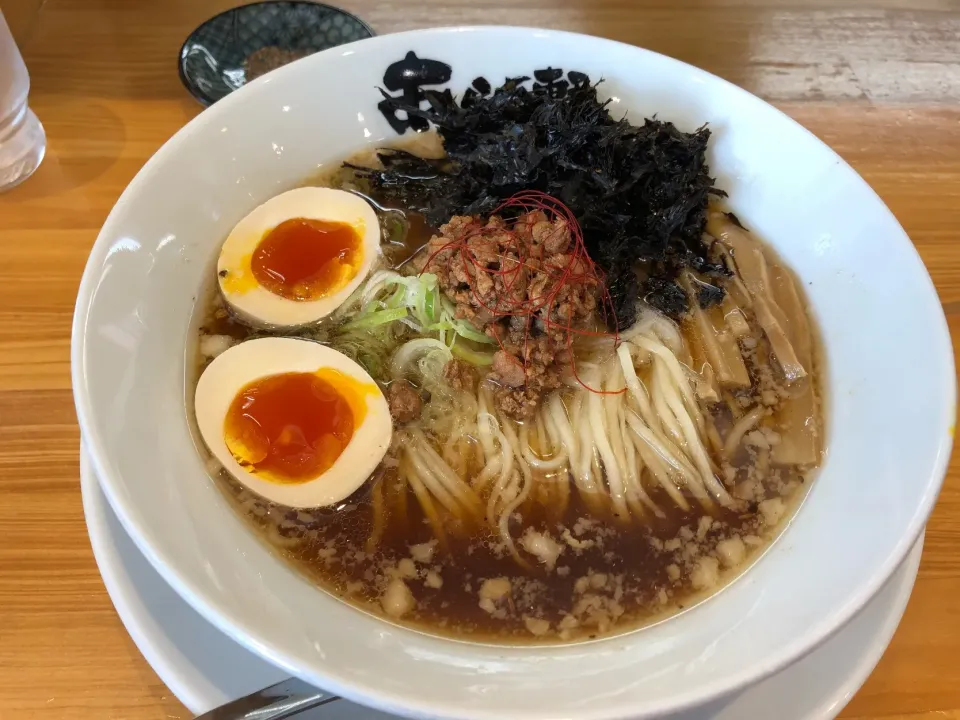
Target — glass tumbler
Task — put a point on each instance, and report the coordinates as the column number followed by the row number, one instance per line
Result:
column 22, row 140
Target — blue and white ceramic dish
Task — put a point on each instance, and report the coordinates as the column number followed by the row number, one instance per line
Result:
column 212, row 61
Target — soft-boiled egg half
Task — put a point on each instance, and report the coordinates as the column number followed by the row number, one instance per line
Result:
column 294, row 421
column 297, row 257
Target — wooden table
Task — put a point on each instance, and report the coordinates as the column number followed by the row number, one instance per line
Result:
column 879, row 81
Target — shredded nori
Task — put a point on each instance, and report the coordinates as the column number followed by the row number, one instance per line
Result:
column 708, row 294
column 639, row 192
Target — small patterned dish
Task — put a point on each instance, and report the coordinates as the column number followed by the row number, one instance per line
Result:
column 242, row 43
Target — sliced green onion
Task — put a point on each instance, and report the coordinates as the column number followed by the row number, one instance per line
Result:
column 412, row 351
column 472, row 356
column 439, row 327
column 377, row 282
column 398, row 299
column 380, row 317
column 418, row 301
column 465, row 329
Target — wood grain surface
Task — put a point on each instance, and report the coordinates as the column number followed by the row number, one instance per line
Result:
column 879, row 81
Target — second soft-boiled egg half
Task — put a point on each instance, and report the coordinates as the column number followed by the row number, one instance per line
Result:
column 298, row 256
column 294, row 421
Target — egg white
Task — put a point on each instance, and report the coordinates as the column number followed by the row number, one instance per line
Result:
column 231, row 371
column 258, row 306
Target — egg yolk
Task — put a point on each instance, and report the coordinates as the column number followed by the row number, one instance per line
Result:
column 306, row 259
column 292, row 427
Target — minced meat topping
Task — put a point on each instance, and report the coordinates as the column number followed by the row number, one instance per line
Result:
column 404, row 401
column 522, row 283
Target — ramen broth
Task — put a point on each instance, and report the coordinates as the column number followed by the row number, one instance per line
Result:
column 585, row 571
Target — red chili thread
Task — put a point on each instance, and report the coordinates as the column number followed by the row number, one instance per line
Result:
column 515, row 302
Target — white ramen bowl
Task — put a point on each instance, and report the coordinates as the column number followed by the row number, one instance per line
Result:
column 890, row 388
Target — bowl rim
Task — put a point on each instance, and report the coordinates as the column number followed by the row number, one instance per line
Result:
column 236, row 628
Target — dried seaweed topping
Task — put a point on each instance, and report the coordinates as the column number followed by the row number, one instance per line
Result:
column 707, row 294
column 639, row 192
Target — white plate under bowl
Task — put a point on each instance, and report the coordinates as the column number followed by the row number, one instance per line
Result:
column 890, row 389
column 204, row 668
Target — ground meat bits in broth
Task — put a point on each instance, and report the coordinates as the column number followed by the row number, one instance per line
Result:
column 591, row 577
column 404, row 400
column 461, row 375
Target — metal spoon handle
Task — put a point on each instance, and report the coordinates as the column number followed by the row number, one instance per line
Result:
column 283, row 700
